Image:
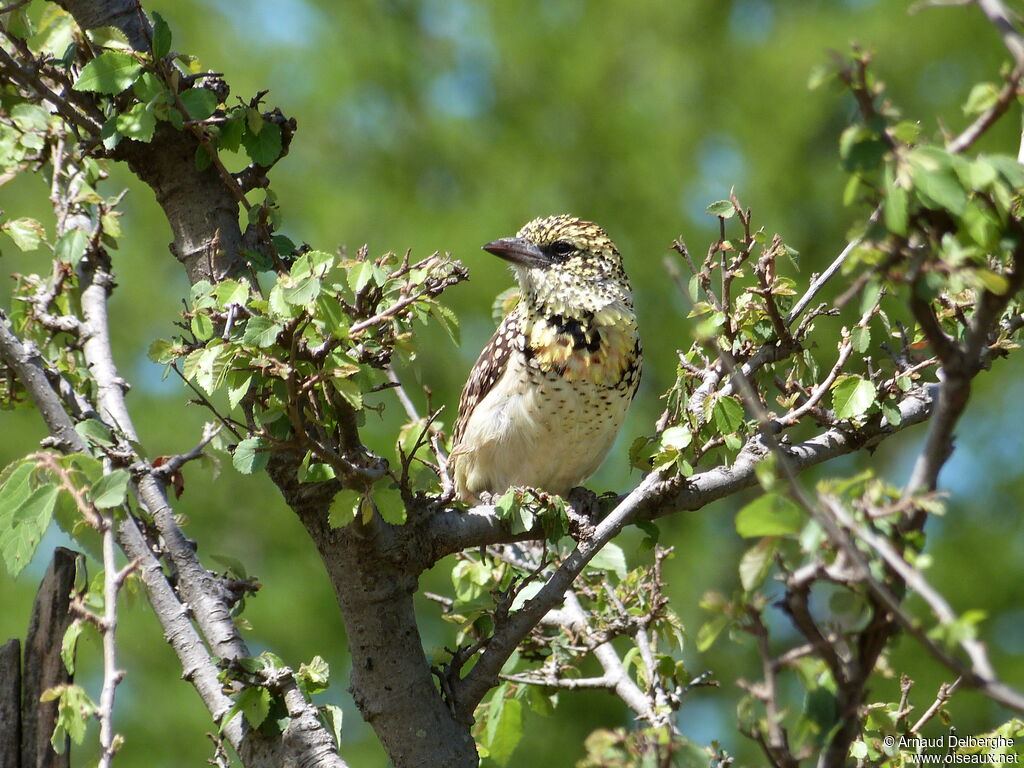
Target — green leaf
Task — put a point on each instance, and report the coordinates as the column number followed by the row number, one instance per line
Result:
column 260, row 331
column 332, row 715
column 74, row 712
column 30, row 117
column 504, row 727
column 728, row 414
column 860, row 338
column 110, row 490
column 231, row 136
column 756, row 562
column 264, row 147
column 359, row 275
column 14, row 489
column 161, row 36
column 239, row 383
column 71, row 246
column 892, row 413
column 249, row 455
column 26, row 233
column 301, row 292
column 161, row 351
column 199, row 102
column 69, row 643
column 723, row 208
column 95, row 432
column 202, row 327
column 852, row 396
column 710, row 631
column 110, row 72
column 770, row 515
column 344, row 508
column 254, row 703
column 137, row 123
column 896, row 214
column 314, row 676
column 213, row 366
column 30, row 521
column 981, row 97
column 936, row 181
column 677, row 437
column 610, row 558
column 996, row 283
column 349, row 390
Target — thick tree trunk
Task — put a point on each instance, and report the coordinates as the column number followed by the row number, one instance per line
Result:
column 374, row 580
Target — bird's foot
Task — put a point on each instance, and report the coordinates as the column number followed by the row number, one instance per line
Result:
column 583, row 510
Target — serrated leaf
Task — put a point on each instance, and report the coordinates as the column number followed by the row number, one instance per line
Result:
column 769, row 515
column 728, row 414
column 94, row 431
column 250, row 455
column 137, row 123
column 892, row 414
column 30, row 117
column 200, row 103
column 260, row 331
column 852, row 395
column 254, row 703
column 610, row 558
column 936, row 181
column 723, row 208
column 30, row 521
column 202, row 327
column 349, row 390
column 110, row 72
column 239, row 386
column 860, row 338
column 231, row 139
column 263, row 147
column 504, row 727
column 213, row 366
column 301, row 292
column 110, row 490
column 71, row 246
column 26, row 233
column 358, row 275
column 755, row 563
column 161, row 36
column 344, row 508
column 68, row 644
column 677, row 437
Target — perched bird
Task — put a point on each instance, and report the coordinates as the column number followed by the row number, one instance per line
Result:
column 549, row 392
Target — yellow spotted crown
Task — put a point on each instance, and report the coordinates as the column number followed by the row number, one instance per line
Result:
column 586, row 273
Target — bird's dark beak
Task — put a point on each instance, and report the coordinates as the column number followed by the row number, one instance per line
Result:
column 518, row 251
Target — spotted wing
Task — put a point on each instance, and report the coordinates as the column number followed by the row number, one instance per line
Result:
column 488, row 369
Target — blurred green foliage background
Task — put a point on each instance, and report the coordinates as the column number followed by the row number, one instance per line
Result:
column 442, row 124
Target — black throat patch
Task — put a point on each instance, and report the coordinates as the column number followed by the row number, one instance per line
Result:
column 583, row 336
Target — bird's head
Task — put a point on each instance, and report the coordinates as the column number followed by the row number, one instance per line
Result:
column 566, row 266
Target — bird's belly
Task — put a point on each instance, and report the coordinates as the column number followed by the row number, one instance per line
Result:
column 537, row 429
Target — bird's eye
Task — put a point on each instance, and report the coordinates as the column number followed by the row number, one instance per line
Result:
column 562, row 248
